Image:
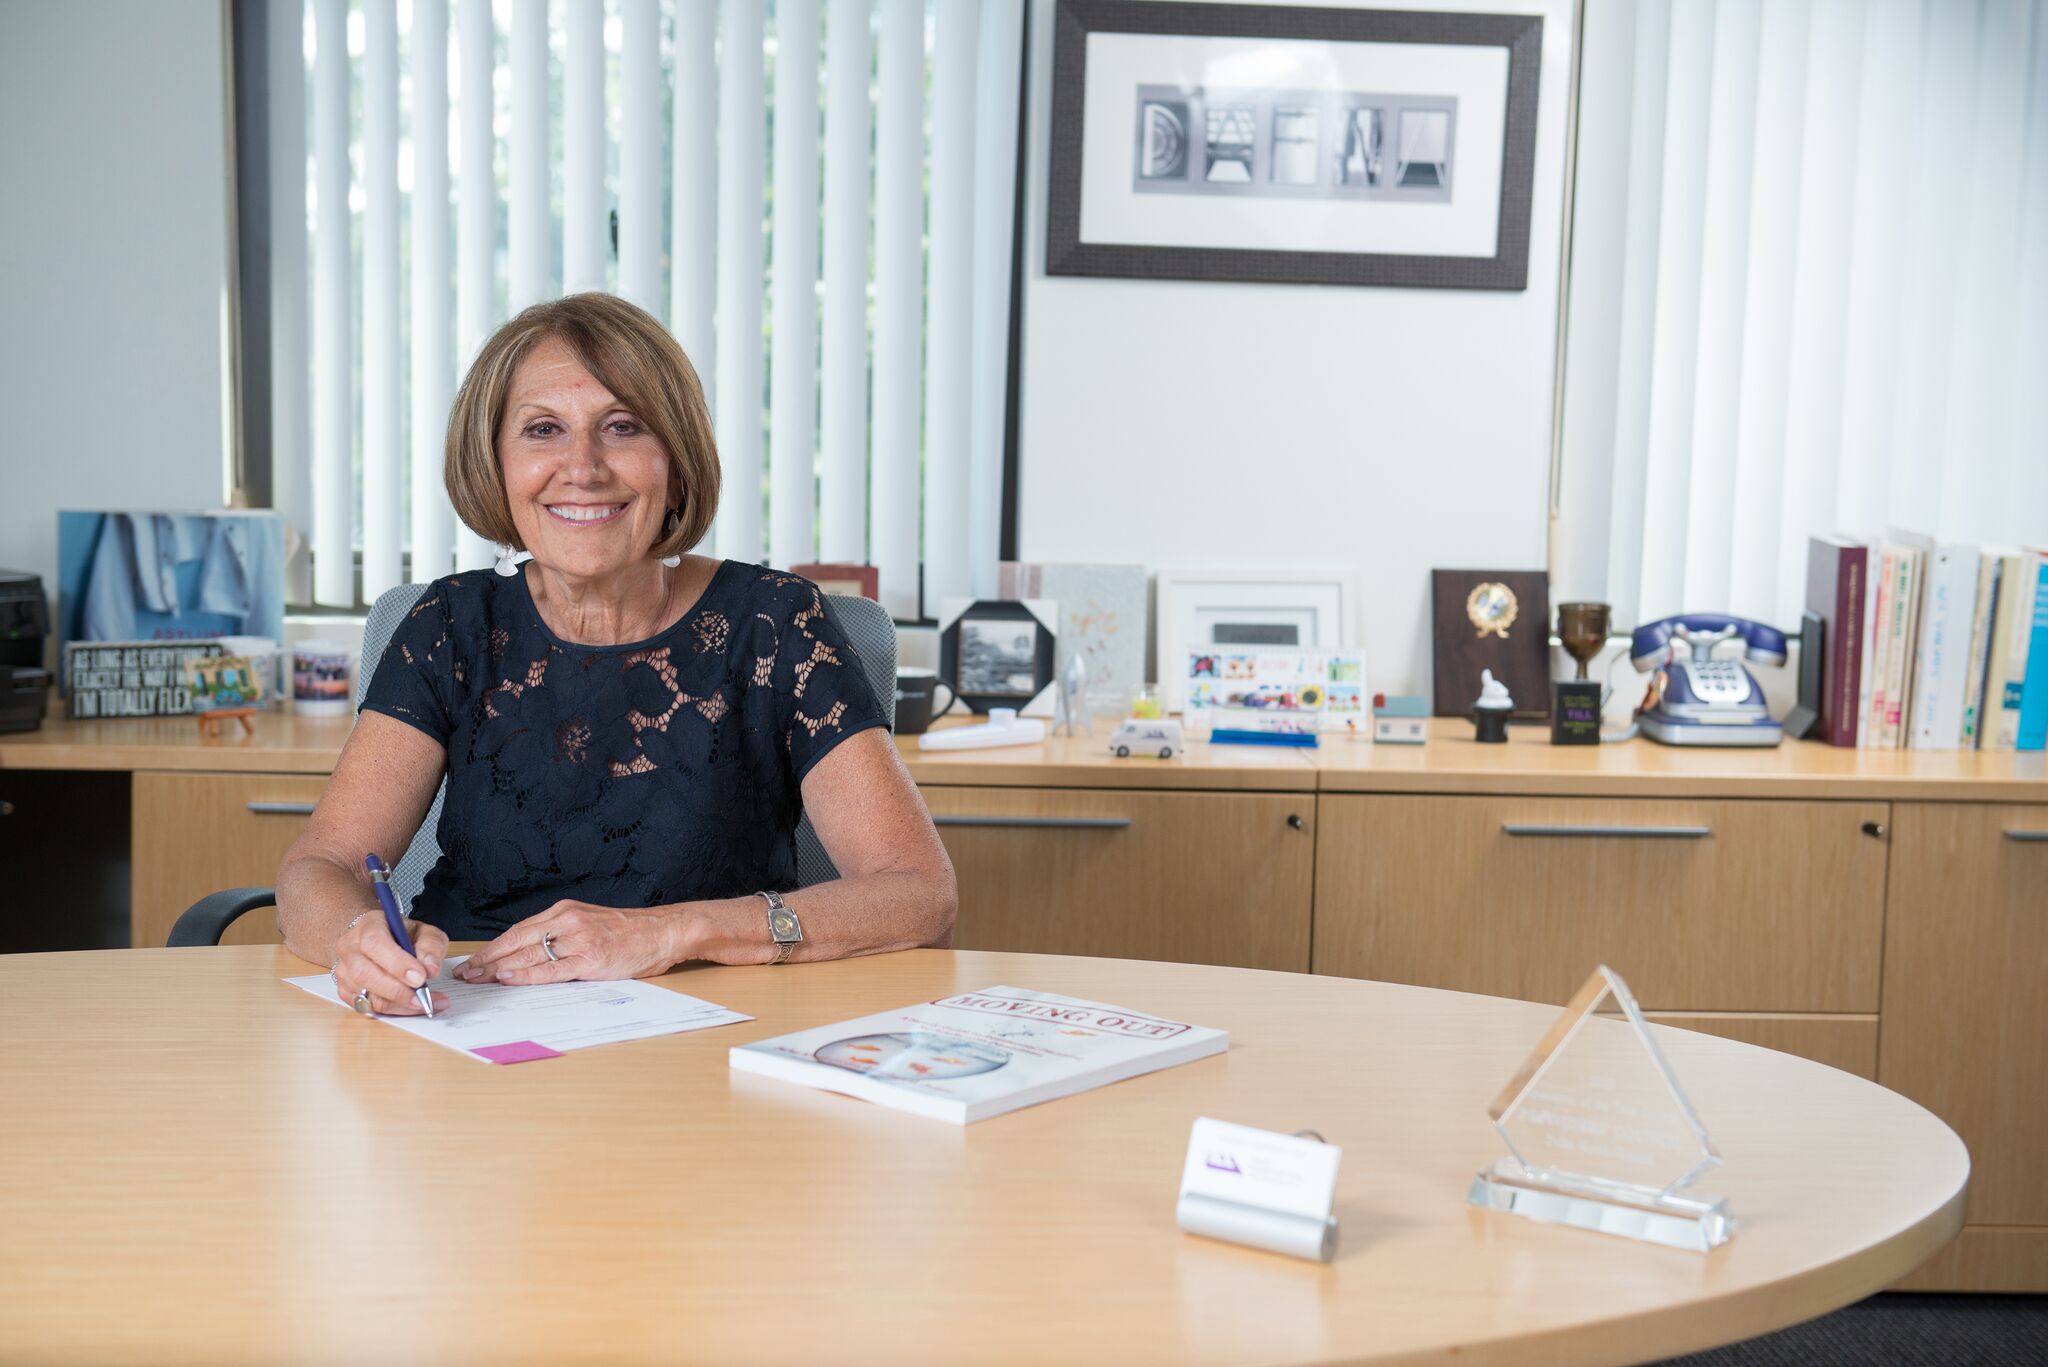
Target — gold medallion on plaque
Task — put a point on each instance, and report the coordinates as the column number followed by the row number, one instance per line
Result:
column 1492, row 609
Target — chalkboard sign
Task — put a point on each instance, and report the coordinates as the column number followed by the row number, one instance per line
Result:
column 132, row 678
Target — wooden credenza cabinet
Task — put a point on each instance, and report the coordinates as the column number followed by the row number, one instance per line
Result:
column 199, row 833
column 1966, row 1020
column 1702, row 906
column 1884, row 913
column 1206, row 878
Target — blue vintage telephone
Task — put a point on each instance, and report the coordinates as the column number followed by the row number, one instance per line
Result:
column 1698, row 700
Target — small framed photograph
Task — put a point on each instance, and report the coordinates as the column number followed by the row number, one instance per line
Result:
column 996, row 653
column 852, row 581
column 1285, row 144
column 1241, row 613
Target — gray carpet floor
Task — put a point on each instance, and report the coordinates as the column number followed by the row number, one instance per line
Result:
column 1904, row 1329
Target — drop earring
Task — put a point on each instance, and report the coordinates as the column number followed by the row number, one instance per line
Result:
column 668, row 529
column 505, row 564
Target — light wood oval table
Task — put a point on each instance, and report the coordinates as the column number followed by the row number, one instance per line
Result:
column 200, row 1163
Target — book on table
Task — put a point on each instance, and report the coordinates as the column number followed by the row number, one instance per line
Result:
column 974, row 1055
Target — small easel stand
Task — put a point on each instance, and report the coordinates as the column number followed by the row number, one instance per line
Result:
column 209, row 722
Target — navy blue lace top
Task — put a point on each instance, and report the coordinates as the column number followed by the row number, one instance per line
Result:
column 666, row 770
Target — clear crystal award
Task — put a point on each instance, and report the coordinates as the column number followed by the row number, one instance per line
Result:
column 1600, row 1135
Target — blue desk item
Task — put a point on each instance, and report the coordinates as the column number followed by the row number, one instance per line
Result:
column 1225, row 735
column 1700, row 700
column 380, row 879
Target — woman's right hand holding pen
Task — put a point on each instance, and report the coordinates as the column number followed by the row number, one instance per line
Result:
column 365, row 956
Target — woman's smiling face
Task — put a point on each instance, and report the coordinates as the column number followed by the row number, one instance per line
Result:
column 586, row 482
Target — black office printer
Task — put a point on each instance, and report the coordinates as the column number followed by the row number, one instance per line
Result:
column 24, row 624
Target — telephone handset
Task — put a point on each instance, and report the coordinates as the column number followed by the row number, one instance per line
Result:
column 1696, row 699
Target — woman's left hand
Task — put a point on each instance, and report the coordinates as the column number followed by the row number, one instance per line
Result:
column 593, row 943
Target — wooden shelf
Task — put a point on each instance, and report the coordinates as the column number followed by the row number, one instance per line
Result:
column 1452, row 762
column 283, row 743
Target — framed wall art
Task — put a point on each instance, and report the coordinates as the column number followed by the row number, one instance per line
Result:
column 1249, row 611
column 997, row 653
column 1102, row 619
column 1292, row 145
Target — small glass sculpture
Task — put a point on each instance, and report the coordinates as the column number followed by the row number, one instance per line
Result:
column 1600, row 1134
column 1070, row 702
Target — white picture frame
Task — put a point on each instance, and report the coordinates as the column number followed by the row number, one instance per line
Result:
column 1254, row 610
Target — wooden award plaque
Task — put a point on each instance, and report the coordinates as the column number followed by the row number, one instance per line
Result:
column 1497, row 620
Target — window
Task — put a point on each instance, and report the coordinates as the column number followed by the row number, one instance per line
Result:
column 458, row 161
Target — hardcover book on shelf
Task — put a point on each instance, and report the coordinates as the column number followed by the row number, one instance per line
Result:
column 1989, row 565
column 979, row 1054
column 2033, row 709
column 2006, row 672
column 1836, row 571
column 1884, row 561
column 1941, row 662
column 1866, row 649
column 1905, row 608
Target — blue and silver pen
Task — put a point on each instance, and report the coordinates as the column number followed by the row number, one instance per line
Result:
column 380, row 879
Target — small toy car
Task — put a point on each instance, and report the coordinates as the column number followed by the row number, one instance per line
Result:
column 1147, row 736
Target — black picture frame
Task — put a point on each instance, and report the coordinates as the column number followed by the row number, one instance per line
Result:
column 1506, row 269
column 996, row 611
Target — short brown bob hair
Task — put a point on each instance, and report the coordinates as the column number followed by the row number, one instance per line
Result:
column 627, row 352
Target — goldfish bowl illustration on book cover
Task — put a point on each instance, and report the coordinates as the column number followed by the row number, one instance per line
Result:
column 919, row 1056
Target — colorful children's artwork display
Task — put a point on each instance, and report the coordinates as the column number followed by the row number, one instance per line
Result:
column 1326, row 684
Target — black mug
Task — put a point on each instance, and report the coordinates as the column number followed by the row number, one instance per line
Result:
column 916, row 696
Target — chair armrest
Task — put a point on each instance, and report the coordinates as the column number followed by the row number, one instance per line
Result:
column 207, row 919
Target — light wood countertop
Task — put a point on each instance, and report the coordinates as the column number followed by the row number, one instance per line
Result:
column 203, row 1163
column 283, row 743
column 1450, row 763
column 1085, row 762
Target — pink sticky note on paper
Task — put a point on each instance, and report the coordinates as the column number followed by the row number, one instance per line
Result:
column 519, row 1051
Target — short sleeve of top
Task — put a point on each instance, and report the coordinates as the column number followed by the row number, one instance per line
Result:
column 415, row 677
column 658, row 771
column 821, row 690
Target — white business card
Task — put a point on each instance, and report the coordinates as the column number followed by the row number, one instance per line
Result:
column 1283, row 1173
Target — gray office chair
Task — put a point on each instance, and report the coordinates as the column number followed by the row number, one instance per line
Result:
column 864, row 622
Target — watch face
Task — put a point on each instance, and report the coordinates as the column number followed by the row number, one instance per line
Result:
column 783, row 923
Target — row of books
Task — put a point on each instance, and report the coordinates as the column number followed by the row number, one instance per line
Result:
column 1930, row 647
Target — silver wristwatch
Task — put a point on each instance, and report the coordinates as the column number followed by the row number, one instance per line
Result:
column 788, row 932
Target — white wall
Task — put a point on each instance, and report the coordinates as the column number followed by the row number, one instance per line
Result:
column 113, row 257
column 1186, row 425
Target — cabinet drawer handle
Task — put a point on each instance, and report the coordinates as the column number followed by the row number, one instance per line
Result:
column 2029, row 836
column 1622, row 832
column 1046, row 823
column 282, row 808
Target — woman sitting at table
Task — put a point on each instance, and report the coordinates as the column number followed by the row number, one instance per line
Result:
column 629, row 732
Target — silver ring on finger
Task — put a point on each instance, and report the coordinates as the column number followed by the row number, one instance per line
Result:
column 362, row 1003
column 547, row 945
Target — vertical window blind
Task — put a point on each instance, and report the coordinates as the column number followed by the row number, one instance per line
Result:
column 756, row 173
column 1809, row 292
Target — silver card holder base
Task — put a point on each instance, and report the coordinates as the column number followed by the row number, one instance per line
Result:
column 1297, row 1236
column 1609, row 1208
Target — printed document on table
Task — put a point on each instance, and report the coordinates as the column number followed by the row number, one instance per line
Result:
column 503, row 1024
